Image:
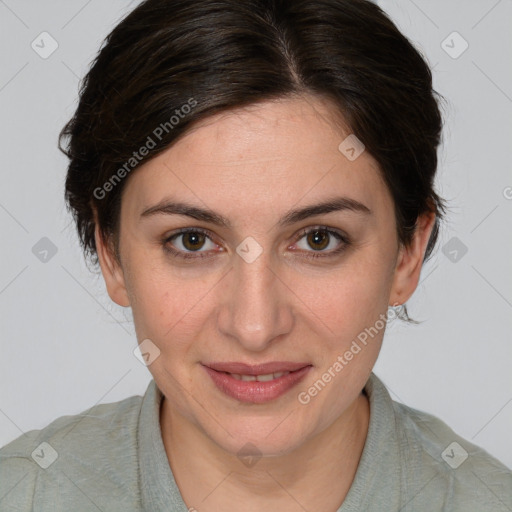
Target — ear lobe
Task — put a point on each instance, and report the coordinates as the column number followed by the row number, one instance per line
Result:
column 111, row 270
column 410, row 261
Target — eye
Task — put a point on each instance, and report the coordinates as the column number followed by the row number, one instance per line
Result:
column 189, row 241
column 320, row 238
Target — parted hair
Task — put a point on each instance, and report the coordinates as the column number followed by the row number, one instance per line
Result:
column 219, row 55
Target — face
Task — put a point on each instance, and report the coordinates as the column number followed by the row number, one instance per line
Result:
column 258, row 258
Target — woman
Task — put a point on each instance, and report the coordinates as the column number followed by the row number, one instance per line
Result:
column 255, row 180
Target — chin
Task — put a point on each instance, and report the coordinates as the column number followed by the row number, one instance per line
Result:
column 268, row 437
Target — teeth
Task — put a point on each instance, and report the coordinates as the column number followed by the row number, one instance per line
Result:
column 267, row 377
column 260, row 378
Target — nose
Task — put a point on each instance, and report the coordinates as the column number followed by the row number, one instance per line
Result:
column 256, row 306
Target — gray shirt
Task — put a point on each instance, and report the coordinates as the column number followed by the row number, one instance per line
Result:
column 111, row 457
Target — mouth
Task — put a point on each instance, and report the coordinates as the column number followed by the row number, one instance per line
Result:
column 259, row 383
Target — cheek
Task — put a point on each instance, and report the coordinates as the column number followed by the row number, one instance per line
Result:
column 349, row 298
column 161, row 303
column 169, row 304
column 168, row 308
column 354, row 308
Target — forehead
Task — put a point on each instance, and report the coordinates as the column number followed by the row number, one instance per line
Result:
column 269, row 155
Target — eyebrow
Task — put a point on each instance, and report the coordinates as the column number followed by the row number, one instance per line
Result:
column 336, row 204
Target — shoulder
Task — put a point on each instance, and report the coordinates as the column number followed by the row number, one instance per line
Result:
column 441, row 463
column 86, row 458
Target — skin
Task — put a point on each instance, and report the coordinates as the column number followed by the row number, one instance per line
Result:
column 252, row 166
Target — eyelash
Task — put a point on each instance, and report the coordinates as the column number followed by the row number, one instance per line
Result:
column 314, row 255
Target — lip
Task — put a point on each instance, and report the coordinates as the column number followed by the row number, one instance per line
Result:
column 256, row 392
column 257, row 369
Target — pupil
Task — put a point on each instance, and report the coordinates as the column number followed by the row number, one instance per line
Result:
column 317, row 237
column 193, row 241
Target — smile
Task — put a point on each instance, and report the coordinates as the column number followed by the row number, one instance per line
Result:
column 260, row 378
column 256, row 384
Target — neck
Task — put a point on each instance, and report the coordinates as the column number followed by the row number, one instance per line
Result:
column 315, row 476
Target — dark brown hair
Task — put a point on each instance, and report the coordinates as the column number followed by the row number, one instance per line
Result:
column 171, row 63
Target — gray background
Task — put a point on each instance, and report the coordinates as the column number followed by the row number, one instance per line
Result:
column 65, row 346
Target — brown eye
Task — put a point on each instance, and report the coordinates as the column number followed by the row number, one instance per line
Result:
column 314, row 242
column 192, row 241
column 189, row 241
column 318, row 240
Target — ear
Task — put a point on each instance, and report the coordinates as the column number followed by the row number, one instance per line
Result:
column 410, row 260
column 111, row 269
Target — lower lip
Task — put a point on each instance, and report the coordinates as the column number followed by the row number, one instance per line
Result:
column 256, row 392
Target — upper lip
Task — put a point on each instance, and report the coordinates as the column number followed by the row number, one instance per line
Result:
column 257, row 369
